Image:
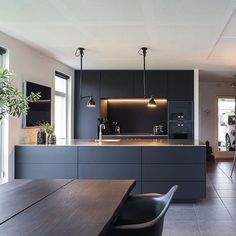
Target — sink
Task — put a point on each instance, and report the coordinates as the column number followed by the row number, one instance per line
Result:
column 108, row 140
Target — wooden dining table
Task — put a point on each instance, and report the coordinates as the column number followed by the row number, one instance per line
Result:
column 60, row 206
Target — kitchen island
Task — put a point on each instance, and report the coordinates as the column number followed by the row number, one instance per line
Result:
column 155, row 164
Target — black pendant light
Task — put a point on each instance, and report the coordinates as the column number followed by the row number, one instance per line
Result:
column 151, row 102
column 91, row 103
column 143, row 52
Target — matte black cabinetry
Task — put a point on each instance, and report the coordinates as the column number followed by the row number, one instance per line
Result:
column 180, row 120
column 110, row 163
column 180, row 85
column 117, row 84
column 176, row 85
column 155, row 169
column 163, row 167
column 85, row 125
column 156, row 84
column 45, row 162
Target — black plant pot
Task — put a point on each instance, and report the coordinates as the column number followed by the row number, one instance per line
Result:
column 41, row 137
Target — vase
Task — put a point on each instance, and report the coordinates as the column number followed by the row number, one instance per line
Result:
column 41, row 137
column 51, row 139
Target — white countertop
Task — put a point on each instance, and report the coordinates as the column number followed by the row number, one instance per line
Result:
column 123, row 142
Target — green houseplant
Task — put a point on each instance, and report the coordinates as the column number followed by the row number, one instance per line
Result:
column 12, row 101
column 49, row 129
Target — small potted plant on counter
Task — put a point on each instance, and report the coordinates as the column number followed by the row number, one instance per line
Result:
column 49, row 129
column 41, row 135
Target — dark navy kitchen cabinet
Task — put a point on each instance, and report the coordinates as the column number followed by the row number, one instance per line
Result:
column 174, row 85
column 85, row 125
column 117, row 84
column 180, row 85
column 138, row 84
column 156, row 84
column 114, row 162
column 50, row 162
column 155, row 168
column 163, row 167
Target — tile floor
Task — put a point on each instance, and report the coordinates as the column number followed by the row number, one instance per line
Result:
column 213, row 216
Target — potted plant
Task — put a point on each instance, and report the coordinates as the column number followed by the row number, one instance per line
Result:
column 12, row 101
column 49, row 129
column 41, row 135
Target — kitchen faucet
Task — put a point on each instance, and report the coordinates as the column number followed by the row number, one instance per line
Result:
column 101, row 126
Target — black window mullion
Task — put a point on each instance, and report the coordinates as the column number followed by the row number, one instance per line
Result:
column 61, row 75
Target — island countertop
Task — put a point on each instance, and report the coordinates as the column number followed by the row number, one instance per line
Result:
column 123, row 142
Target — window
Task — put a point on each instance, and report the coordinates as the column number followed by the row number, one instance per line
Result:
column 2, row 64
column 226, row 124
column 61, row 105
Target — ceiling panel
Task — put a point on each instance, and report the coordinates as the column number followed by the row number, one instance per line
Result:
column 102, row 11
column 178, row 33
column 225, row 49
column 29, row 11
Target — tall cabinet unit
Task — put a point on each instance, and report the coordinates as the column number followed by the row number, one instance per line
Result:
column 180, row 85
column 85, row 119
column 117, row 84
column 180, row 119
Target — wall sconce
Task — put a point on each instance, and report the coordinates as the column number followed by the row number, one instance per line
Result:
column 151, row 102
column 91, row 103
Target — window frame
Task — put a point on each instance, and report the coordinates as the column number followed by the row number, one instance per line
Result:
column 64, row 95
column 3, row 147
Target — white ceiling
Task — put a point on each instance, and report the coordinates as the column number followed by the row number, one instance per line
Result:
column 179, row 33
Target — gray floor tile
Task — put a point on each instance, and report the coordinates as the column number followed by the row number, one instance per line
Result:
column 227, row 193
column 229, row 202
column 212, row 213
column 219, row 228
column 209, row 202
column 181, row 205
column 224, row 186
column 221, row 180
column 181, row 228
column 178, row 214
column 232, row 212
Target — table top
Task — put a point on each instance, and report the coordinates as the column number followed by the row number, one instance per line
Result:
column 61, row 207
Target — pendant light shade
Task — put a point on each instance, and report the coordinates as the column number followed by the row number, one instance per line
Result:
column 151, row 102
column 143, row 52
column 80, row 53
column 91, row 103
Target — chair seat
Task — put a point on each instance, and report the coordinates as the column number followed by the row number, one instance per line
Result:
column 143, row 215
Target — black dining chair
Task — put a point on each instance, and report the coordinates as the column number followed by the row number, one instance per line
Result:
column 143, row 215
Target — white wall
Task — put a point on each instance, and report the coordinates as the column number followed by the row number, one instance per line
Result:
column 209, row 92
column 30, row 64
column 196, row 104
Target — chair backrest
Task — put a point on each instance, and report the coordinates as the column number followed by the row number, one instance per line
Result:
column 164, row 202
column 148, row 207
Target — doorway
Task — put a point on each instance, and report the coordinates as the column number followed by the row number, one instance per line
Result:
column 226, row 124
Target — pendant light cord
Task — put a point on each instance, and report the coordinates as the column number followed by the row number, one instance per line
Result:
column 80, row 52
column 143, row 52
